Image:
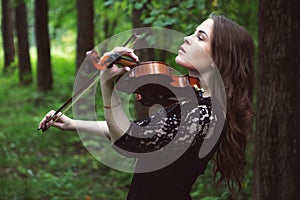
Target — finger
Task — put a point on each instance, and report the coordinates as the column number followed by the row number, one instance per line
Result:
column 115, row 71
column 122, row 71
column 57, row 124
column 49, row 115
column 130, row 53
column 46, row 118
column 122, row 50
column 51, row 112
column 110, row 72
column 126, row 51
column 127, row 69
column 134, row 56
column 47, row 124
column 42, row 122
column 56, row 121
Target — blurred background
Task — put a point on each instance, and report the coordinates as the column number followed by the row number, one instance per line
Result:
column 43, row 44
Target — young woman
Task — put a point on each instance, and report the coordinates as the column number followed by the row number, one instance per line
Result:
column 231, row 48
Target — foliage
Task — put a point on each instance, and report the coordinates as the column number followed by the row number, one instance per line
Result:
column 185, row 16
column 111, row 17
column 56, row 165
column 63, row 18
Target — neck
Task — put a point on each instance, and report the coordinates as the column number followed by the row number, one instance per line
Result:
column 203, row 80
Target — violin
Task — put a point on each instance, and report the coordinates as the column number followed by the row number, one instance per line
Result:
column 156, row 80
column 153, row 82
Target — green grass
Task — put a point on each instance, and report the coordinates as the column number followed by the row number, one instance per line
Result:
column 56, row 165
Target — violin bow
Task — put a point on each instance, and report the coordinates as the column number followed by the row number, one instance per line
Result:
column 87, row 85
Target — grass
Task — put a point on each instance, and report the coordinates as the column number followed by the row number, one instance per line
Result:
column 56, row 165
column 48, row 166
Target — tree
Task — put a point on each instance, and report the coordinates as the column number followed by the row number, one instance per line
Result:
column 25, row 74
column 7, row 33
column 277, row 137
column 143, row 54
column 43, row 45
column 85, row 29
column 137, row 22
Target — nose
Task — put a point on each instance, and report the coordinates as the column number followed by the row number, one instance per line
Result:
column 186, row 39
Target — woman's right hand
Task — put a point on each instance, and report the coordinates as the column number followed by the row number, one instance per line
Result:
column 63, row 123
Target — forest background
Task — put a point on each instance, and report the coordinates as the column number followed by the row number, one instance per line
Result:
column 44, row 43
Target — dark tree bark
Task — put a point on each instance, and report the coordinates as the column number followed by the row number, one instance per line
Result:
column 25, row 74
column 7, row 34
column 43, row 45
column 277, row 156
column 85, row 29
column 108, row 24
column 143, row 54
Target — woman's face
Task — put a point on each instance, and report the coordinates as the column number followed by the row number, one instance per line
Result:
column 195, row 53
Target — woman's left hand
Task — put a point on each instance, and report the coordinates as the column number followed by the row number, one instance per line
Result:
column 112, row 74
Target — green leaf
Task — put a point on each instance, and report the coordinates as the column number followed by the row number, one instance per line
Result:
column 189, row 4
column 149, row 20
column 138, row 6
column 173, row 10
column 109, row 2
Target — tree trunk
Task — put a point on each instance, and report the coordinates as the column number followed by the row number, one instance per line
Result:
column 141, row 111
column 85, row 29
column 143, row 54
column 277, row 155
column 7, row 34
column 25, row 74
column 43, row 45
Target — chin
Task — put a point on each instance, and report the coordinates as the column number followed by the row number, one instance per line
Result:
column 180, row 61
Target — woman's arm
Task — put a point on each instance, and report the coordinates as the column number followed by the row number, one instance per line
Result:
column 115, row 117
column 117, row 121
column 93, row 127
column 66, row 123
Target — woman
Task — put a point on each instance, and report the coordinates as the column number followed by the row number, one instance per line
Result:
column 231, row 48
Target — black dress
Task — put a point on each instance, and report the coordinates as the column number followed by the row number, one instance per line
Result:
column 184, row 124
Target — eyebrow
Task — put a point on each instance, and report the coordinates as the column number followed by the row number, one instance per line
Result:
column 201, row 31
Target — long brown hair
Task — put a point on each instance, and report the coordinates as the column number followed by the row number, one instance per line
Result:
column 233, row 54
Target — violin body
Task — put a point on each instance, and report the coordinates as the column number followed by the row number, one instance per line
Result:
column 153, row 82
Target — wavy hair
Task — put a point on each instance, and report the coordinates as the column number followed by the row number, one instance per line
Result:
column 233, row 54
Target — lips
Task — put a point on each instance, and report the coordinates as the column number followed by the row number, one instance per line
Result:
column 182, row 49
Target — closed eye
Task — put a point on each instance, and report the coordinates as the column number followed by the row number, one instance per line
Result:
column 200, row 37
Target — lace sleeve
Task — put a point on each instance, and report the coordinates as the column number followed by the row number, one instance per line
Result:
column 155, row 132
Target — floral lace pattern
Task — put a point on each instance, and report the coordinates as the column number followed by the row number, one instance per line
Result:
column 182, row 124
